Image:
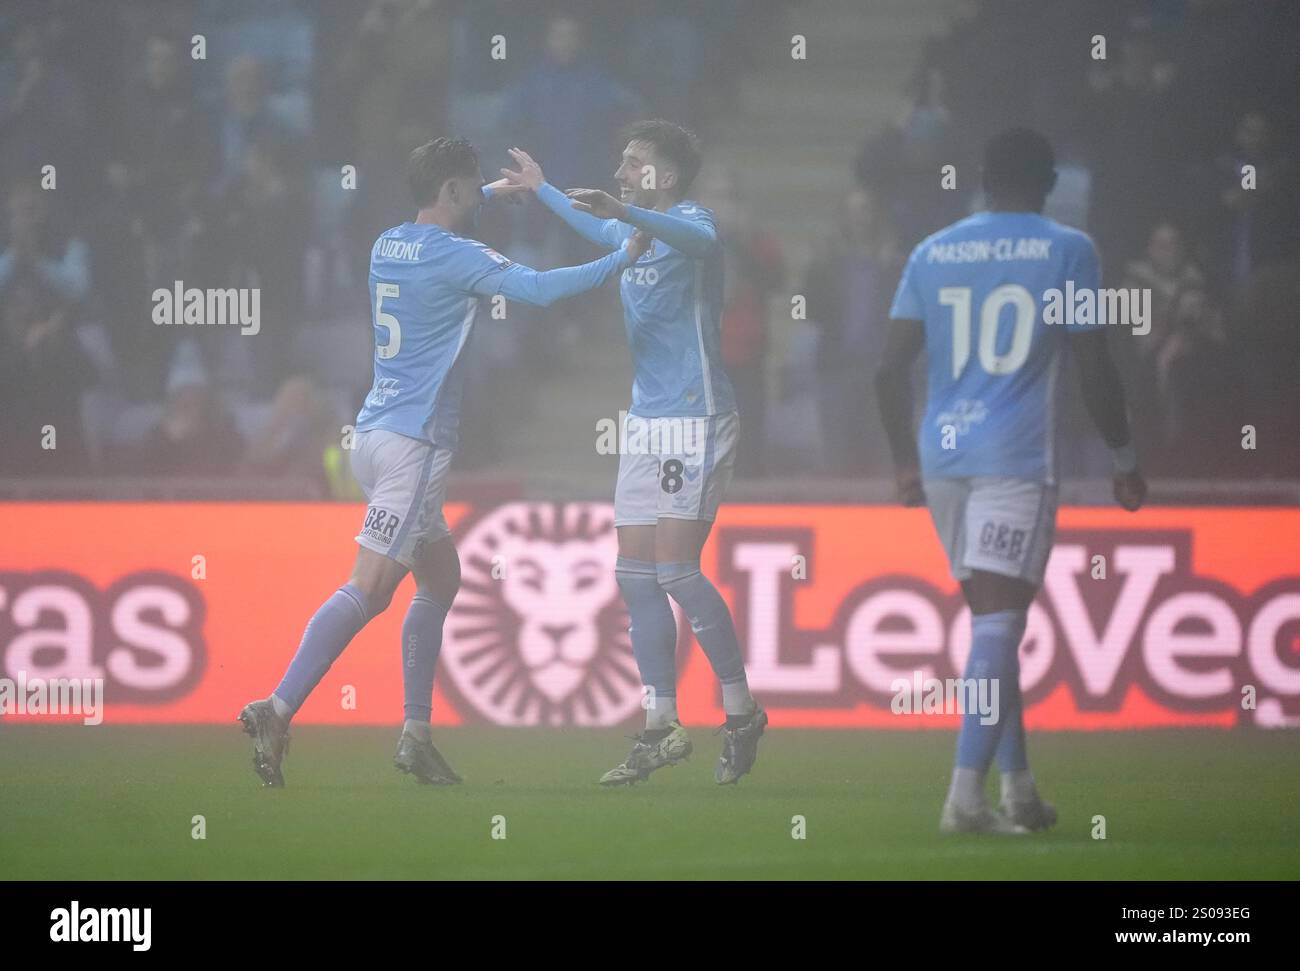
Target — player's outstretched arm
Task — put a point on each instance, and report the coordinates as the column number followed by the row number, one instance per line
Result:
column 529, row 177
column 697, row 238
column 1103, row 396
column 894, row 396
column 542, row 288
column 511, row 192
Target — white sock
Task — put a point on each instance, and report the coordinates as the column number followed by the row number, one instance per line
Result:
column 421, row 730
column 967, row 789
column 736, row 699
column 281, row 709
column 661, row 714
column 1019, row 785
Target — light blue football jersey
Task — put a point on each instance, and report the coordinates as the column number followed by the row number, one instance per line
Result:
column 672, row 312
column 979, row 286
column 425, row 285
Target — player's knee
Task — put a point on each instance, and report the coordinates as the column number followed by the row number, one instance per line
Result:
column 437, row 575
column 377, row 592
column 673, row 576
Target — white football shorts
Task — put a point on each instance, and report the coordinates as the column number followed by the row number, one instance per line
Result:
column 998, row 525
column 405, row 482
column 674, row 468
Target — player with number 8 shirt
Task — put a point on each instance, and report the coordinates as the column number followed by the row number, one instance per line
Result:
column 665, row 503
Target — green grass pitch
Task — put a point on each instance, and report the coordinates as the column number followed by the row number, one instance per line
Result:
column 118, row 803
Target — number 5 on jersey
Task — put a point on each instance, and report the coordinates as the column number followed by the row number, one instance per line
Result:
column 394, row 343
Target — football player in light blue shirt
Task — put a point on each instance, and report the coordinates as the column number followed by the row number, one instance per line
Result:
column 665, row 502
column 974, row 296
column 426, row 281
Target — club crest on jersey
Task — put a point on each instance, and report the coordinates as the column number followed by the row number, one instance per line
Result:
column 384, row 389
column 963, row 414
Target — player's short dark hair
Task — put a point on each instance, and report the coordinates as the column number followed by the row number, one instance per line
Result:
column 1019, row 162
column 678, row 145
column 433, row 163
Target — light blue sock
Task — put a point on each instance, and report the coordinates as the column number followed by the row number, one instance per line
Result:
column 994, row 653
column 711, row 621
column 331, row 628
column 421, row 642
column 653, row 629
column 1012, row 757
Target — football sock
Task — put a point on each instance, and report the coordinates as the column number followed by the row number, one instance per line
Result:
column 420, row 729
column 995, row 645
column 1011, row 754
column 662, row 713
column 967, row 788
column 329, row 631
column 421, row 642
column 1019, row 786
column 736, row 699
column 654, row 636
column 711, row 621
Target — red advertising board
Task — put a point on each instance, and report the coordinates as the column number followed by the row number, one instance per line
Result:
column 1173, row 616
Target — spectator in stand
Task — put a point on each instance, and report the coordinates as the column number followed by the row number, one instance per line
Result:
column 1248, row 227
column 246, row 117
column 567, row 110
column 902, row 164
column 754, row 272
column 1265, row 334
column 295, row 436
column 42, row 116
column 43, row 370
column 849, row 285
column 393, row 70
column 263, row 225
column 1182, row 364
column 156, row 157
column 1137, row 103
column 196, row 434
column 160, row 139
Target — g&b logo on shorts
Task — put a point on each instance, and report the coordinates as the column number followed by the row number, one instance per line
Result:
column 380, row 525
column 1002, row 541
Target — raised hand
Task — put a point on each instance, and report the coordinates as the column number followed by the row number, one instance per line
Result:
column 512, row 192
column 529, row 176
column 600, row 204
column 637, row 244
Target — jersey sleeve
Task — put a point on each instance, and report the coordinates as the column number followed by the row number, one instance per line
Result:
column 690, row 230
column 908, row 303
column 481, row 270
column 1084, row 269
column 474, row 267
column 609, row 233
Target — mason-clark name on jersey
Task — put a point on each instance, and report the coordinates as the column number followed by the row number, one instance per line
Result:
column 985, row 250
